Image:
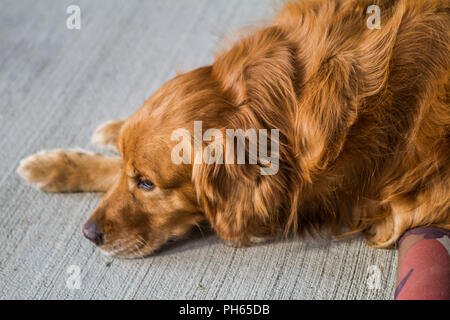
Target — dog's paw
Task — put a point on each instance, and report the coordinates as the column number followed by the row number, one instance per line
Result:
column 252, row 240
column 54, row 170
column 233, row 244
column 259, row 239
column 106, row 135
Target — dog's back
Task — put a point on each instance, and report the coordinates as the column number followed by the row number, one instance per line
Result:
column 377, row 112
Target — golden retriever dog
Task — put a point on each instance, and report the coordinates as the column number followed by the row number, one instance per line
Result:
column 363, row 116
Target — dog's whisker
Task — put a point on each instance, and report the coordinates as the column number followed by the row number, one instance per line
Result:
column 130, row 243
column 139, row 251
column 142, row 240
column 200, row 229
column 118, row 245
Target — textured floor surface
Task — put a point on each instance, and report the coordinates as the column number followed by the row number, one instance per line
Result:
column 57, row 85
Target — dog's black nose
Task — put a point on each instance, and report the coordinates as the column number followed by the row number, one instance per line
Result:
column 91, row 232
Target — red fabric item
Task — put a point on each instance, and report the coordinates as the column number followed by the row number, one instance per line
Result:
column 424, row 270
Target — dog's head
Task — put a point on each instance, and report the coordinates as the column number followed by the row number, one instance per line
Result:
column 157, row 198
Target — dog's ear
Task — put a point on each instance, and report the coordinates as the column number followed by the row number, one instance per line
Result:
column 257, row 77
column 242, row 193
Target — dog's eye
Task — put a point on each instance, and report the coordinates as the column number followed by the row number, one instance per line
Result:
column 146, row 185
